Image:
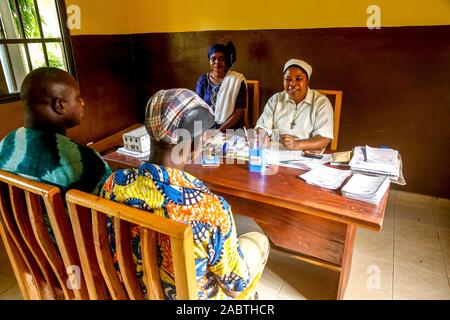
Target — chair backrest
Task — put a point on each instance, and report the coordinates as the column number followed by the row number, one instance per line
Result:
column 337, row 97
column 43, row 269
column 252, row 111
column 89, row 215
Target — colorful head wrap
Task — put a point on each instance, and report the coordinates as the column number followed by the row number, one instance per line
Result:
column 166, row 110
column 229, row 51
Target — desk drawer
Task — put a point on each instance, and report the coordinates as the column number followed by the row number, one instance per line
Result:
column 296, row 231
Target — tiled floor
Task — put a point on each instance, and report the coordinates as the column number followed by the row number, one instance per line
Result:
column 408, row 259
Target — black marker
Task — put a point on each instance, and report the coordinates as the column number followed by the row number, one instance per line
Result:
column 312, row 155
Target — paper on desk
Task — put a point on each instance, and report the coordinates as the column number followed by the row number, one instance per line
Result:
column 357, row 163
column 326, row 177
column 305, row 163
column 366, row 188
column 275, row 154
column 381, row 155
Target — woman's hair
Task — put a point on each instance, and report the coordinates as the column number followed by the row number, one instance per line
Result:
column 228, row 50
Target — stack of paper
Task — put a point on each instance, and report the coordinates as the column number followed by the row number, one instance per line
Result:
column 381, row 155
column 326, row 177
column 366, row 188
column 376, row 161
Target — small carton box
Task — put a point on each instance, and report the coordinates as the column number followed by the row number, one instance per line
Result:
column 137, row 140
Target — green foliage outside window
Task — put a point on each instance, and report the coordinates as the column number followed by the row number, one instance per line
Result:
column 31, row 28
column 29, row 17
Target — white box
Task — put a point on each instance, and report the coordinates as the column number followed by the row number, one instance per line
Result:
column 137, row 140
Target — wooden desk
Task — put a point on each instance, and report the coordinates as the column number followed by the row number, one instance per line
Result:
column 315, row 224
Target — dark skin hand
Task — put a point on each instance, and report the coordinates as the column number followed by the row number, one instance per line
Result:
column 316, row 143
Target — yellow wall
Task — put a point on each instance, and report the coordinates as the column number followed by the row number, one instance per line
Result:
column 143, row 16
column 102, row 17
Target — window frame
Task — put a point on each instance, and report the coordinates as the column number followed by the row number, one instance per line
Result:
column 65, row 41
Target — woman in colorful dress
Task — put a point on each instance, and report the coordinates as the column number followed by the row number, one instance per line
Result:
column 225, row 263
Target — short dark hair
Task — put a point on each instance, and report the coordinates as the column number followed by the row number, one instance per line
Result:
column 37, row 84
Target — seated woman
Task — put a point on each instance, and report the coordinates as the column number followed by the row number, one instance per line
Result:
column 303, row 116
column 223, row 89
column 225, row 264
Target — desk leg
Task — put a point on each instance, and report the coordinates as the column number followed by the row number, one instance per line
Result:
column 346, row 261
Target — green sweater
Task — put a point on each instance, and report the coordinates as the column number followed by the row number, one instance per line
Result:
column 53, row 158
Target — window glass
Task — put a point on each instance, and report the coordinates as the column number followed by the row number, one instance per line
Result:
column 37, row 55
column 29, row 19
column 29, row 41
column 49, row 18
column 55, row 55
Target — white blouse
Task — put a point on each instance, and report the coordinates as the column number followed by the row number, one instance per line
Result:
column 310, row 117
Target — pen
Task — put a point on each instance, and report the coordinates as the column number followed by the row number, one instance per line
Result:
column 246, row 136
column 245, row 132
column 289, row 161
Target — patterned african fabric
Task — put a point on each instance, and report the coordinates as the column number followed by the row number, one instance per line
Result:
column 177, row 195
column 52, row 158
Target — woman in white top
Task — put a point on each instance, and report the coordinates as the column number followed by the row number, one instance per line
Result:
column 223, row 89
column 303, row 117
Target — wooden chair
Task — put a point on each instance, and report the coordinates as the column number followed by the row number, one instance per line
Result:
column 337, row 98
column 88, row 214
column 252, row 111
column 43, row 270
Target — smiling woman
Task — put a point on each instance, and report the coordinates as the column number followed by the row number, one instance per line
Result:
column 31, row 36
column 223, row 89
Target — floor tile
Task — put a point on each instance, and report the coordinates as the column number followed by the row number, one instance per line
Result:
column 414, row 199
column 375, row 246
column 412, row 284
column 3, row 254
column 387, row 229
column 447, row 262
column 370, row 278
column 442, row 216
column 303, row 280
column 444, row 238
column 270, row 284
column 392, row 196
column 288, row 292
column 418, row 233
column 441, row 202
column 6, row 282
column 265, row 293
column 420, row 258
column 417, row 214
column 5, row 267
column 12, row 293
column 389, row 213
